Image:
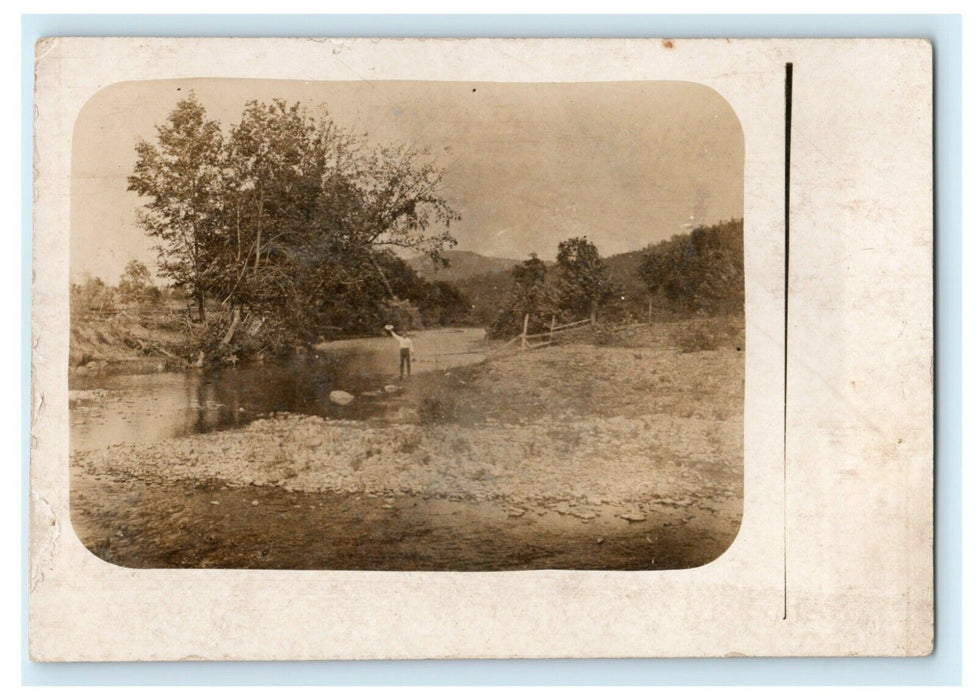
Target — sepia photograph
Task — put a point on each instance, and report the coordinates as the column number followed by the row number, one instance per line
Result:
column 405, row 325
column 349, row 348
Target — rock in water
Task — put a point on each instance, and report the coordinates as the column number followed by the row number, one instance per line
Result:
column 391, row 388
column 340, row 397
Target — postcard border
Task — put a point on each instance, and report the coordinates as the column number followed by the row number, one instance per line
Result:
column 941, row 668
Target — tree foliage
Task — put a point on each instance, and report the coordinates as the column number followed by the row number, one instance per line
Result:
column 135, row 284
column 530, row 293
column 582, row 285
column 285, row 214
column 445, row 305
column 584, row 282
column 180, row 177
column 698, row 272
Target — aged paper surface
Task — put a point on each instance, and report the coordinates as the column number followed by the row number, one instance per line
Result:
column 834, row 552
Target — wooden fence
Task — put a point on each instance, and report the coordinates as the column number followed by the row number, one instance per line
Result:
column 532, row 341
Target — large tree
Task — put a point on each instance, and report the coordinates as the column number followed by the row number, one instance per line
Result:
column 584, row 281
column 181, row 178
column 530, row 295
column 293, row 216
column 278, row 160
column 319, row 205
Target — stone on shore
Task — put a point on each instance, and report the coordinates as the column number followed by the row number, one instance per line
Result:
column 341, row 398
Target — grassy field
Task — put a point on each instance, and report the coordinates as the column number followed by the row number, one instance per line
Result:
column 625, row 455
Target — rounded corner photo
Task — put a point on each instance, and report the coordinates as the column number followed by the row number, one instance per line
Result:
column 407, row 326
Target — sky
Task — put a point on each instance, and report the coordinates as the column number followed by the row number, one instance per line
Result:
column 527, row 164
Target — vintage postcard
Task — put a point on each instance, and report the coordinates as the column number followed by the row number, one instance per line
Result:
column 419, row 348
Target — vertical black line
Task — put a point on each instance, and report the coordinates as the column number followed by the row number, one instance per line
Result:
column 786, row 296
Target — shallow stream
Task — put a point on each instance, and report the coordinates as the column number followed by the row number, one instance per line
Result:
column 111, row 407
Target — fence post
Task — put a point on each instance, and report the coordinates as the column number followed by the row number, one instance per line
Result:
column 552, row 327
column 650, row 309
column 525, row 331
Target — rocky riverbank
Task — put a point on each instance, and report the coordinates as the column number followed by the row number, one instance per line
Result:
column 569, row 465
column 640, row 435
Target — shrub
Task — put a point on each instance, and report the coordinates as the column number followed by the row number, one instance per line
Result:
column 706, row 334
column 602, row 333
column 255, row 335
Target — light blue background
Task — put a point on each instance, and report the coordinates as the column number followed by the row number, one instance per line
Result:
column 942, row 668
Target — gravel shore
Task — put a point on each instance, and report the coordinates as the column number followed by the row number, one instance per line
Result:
column 574, row 464
column 636, row 434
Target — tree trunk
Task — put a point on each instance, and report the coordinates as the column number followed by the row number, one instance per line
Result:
column 200, row 310
column 257, row 246
column 235, row 322
column 386, row 282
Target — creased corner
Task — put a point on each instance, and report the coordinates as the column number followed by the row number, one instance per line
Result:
column 44, row 46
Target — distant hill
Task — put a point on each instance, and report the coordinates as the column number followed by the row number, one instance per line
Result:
column 486, row 281
column 463, row 264
column 623, row 271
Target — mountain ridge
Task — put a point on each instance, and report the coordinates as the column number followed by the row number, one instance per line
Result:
column 485, row 281
column 463, row 264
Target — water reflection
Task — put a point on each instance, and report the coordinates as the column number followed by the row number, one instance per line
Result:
column 110, row 409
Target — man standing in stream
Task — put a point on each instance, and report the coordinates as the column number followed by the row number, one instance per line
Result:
column 406, row 350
